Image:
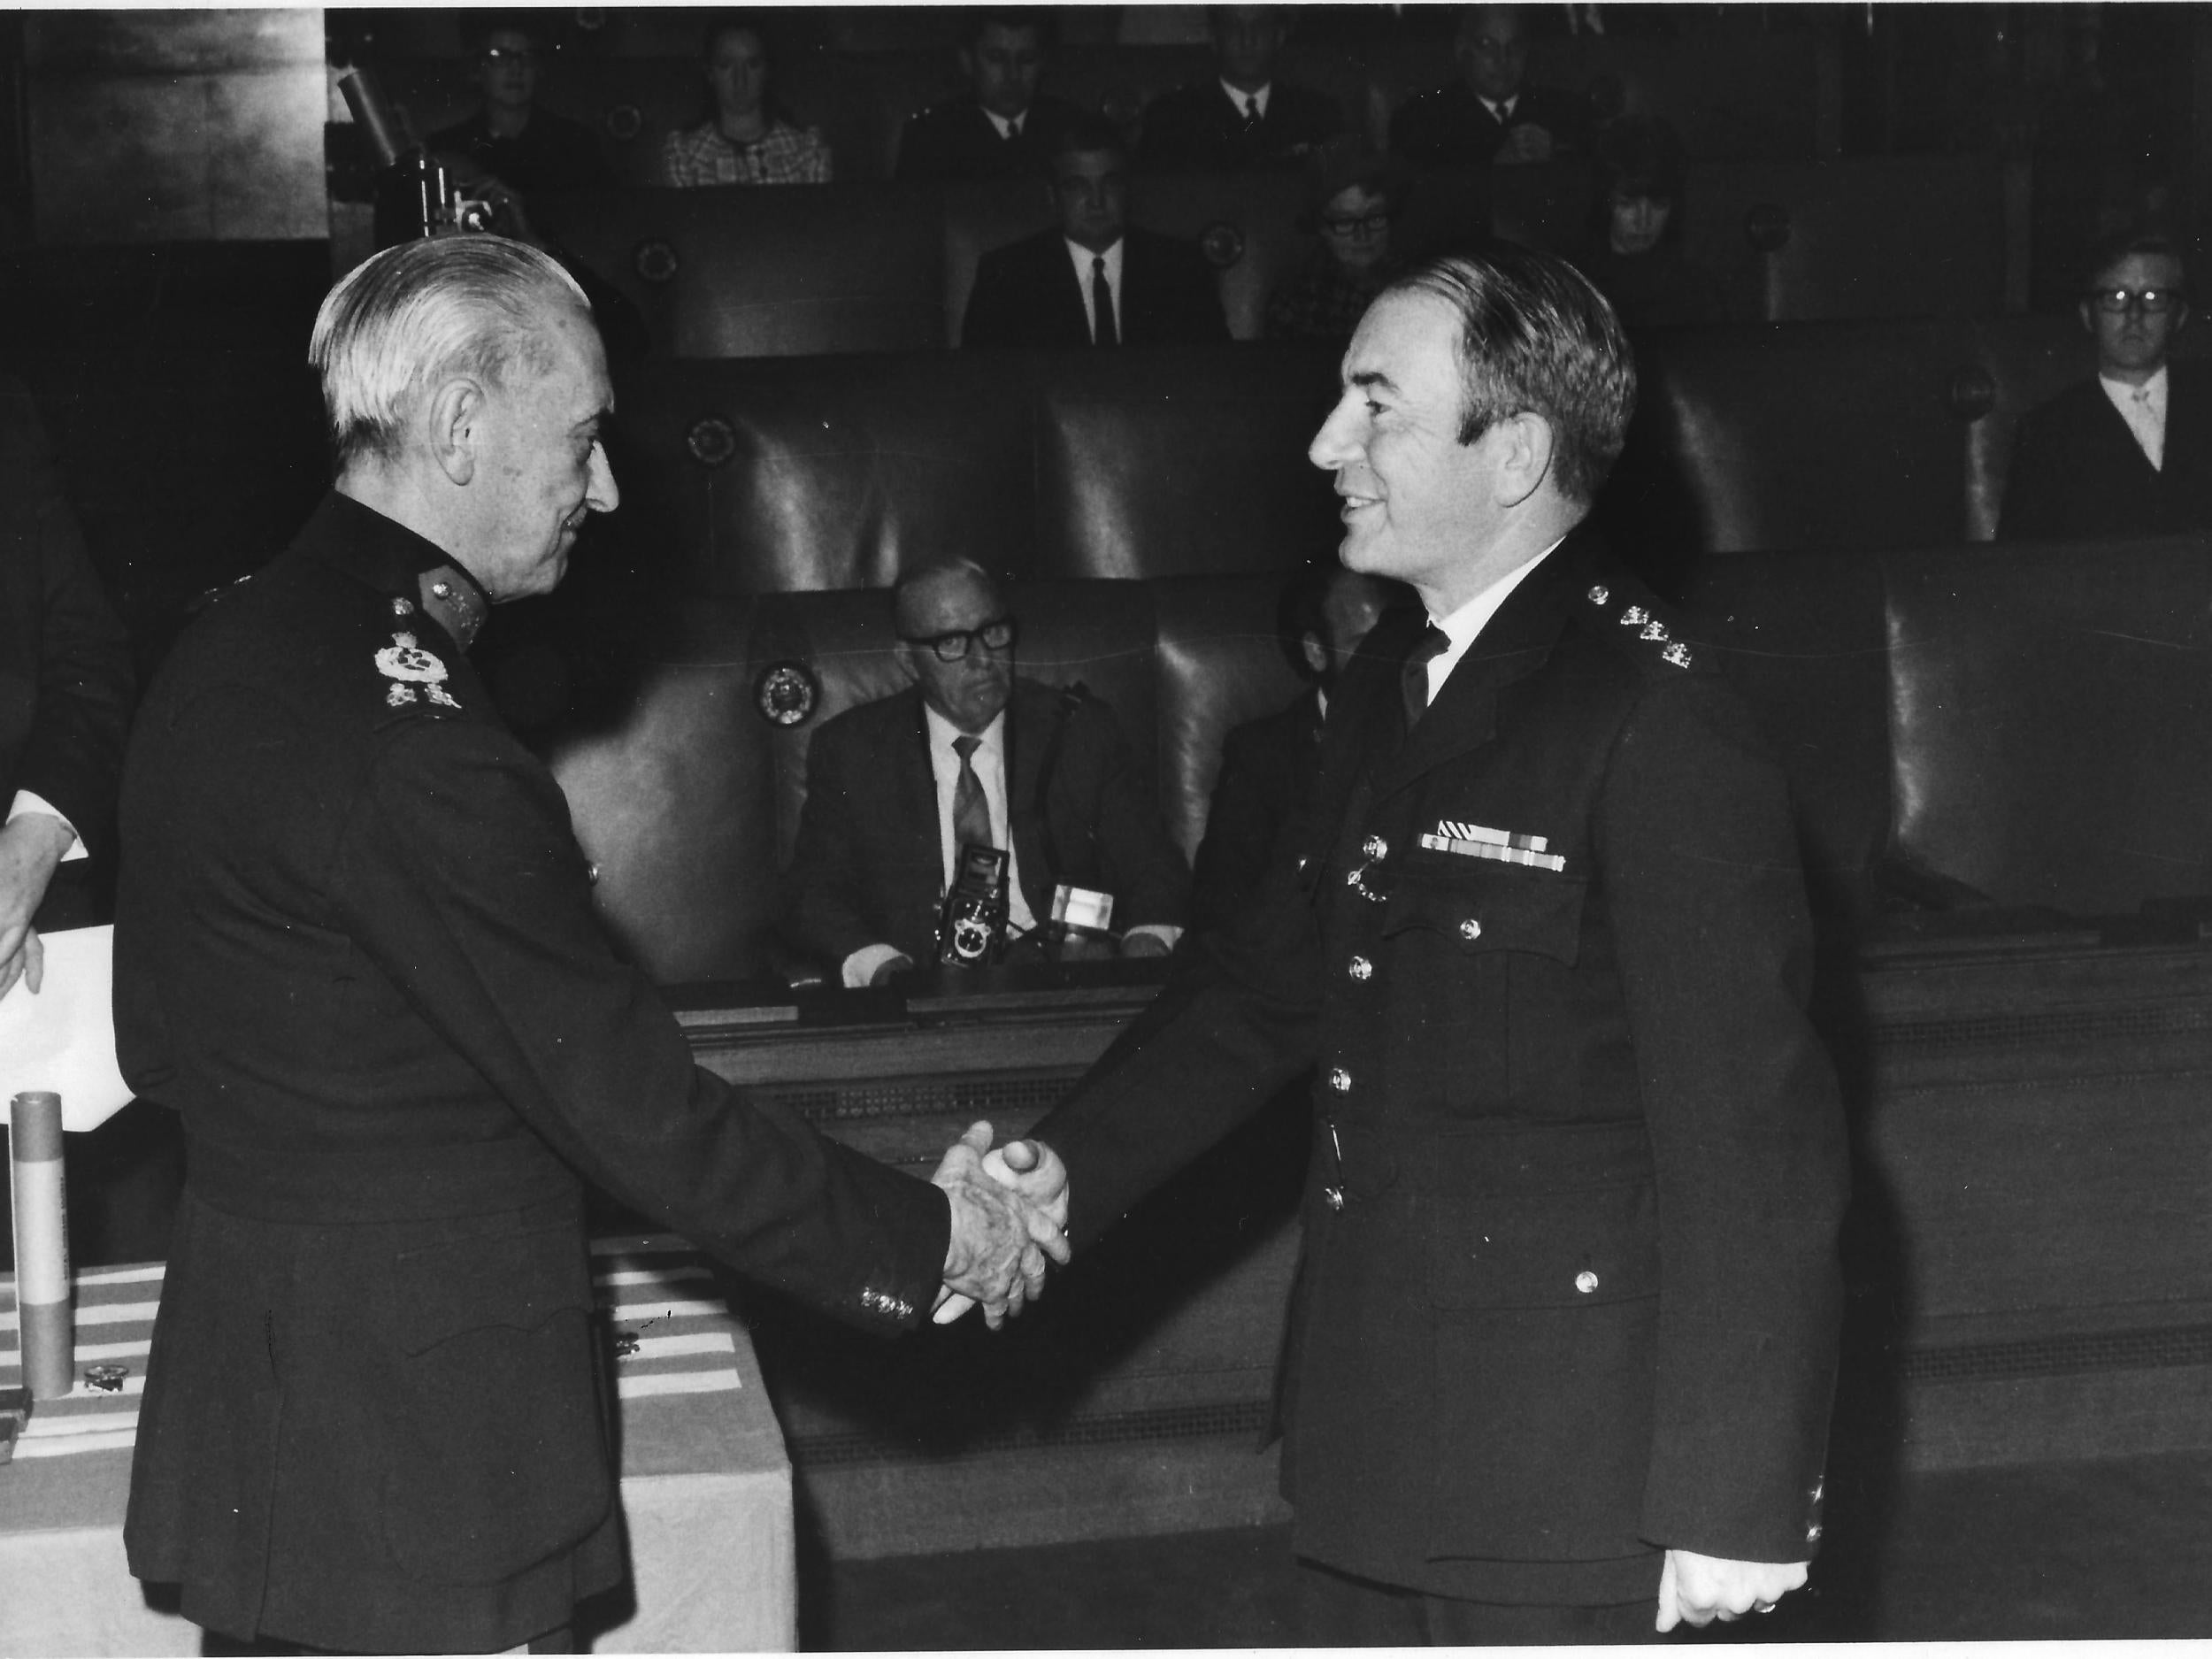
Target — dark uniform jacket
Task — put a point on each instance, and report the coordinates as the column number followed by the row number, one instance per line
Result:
column 66, row 680
column 1267, row 765
column 2078, row 471
column 1025, row 295
column 957, row 140
column 1452, row 127
column 355, row 949
column 550, row 153
column 1194, row 128
column 1579, row 1297
column 869, row 868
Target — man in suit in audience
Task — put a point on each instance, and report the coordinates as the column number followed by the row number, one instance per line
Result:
column 1492, row 116
column 1267, row 765
column 65, row 690
column 509, row 139
column 1560, row 1358
column 1093, row 278
column 1001, row 126
column 1244, row 117
column 971, row 754
column 355, row 949
column 2128, row 453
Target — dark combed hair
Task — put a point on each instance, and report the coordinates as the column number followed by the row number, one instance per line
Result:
column 1089, row 132
column 975, row 19
column 2110, row 250
column 1535, row 337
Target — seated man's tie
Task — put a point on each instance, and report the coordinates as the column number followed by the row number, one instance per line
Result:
column 971, row 812
column 1102, row 333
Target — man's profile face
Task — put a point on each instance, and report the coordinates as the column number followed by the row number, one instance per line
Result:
column 540, row 469
column 1493, row 53
column 971, row 692
column 1090, row 189
column 2132, row 343
column 1418, row 503
column 507, row 69
column 1002, row 68
column 1245, row 41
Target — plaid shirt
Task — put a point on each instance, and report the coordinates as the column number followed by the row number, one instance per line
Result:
column 1321, row 300
column 783, row 155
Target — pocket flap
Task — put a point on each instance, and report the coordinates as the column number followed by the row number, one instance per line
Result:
column 1483, row 907
column 518, row 1280
column 1544, row 1249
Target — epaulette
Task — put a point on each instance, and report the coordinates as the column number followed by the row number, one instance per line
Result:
column 414, row 678
column 1636, row 624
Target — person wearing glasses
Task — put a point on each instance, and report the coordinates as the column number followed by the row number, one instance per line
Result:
column 1353, row 197
column 2130, row 452
column 971, row 752
column 510, row 139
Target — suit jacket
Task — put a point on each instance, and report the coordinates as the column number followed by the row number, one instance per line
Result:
column 1194, row 128
column 356, row 948
column 1451, row 128
column 1569, row 1289
column 1025, row 295
column 2078, row 471
column 65, row 679
column 956, row 139
column 869, row 869
column 1267, row 766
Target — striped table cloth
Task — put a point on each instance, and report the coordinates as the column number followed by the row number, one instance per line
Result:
column 706, row 1487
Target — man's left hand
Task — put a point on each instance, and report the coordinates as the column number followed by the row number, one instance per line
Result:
column 1696, row 1589
column 30, row 847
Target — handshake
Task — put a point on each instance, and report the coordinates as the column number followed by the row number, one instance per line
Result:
column 1010, row 1212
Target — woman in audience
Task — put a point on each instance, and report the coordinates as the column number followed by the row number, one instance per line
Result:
column 746, row 140
column 1635, row 255
column 1353, row 197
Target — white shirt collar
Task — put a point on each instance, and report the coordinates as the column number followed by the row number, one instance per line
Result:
column 1239, row 96
column 1502, row 108
column 1003, row 122
column 1082, row 257
column 941, row 732
column 1464, row 624
column 2143, row 409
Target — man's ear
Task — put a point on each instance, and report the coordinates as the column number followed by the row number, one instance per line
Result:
column 2181, row 316
column 2088, row 318
column 1524, row 457
column 455, row 414
column 1315, row 649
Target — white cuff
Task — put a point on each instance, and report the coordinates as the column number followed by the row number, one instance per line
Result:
column 860, row 967
column 27, row 802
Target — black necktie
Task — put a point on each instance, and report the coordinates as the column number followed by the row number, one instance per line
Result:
column 1413, row 679
column 1252, row 116
column 971, row 813
column 1102, row 303
column 1013, row 132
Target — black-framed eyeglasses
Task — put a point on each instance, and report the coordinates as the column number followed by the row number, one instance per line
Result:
column 997, row 634
column 528, row 56
column 2118, row 302
column 1364, row 225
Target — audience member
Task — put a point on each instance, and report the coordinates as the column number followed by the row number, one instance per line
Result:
column 1635, row 257
column 746, row 140
column 1267, row 765
column 1354, row 198
column 2129, row 452
column 1244, row 117
column 510, row 138
column 971, row 752
column 1091, row 279
column 65, row 689
column 1001, row 126
column 1492, row 116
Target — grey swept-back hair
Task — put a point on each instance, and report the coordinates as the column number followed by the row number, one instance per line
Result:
column 422, row 313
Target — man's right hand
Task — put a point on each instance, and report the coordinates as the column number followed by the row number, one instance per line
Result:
column 1000, row 1235
column 30, row 848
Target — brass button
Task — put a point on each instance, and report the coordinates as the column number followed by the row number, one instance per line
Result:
column 1362, row 969
column 1585, row 1281
column 1470, row 929
column 1812, row 1533
column 1375, row 847
column 1340, row 1080
column 1599, row 594
column 1333, row 1196
column 591, row 873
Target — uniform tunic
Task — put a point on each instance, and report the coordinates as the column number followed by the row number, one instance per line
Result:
column 1569, row 1291
column 355, row 949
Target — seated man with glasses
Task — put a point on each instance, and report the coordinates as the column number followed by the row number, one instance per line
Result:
column 510, row 140
column 2130, row 452
column 971, row 754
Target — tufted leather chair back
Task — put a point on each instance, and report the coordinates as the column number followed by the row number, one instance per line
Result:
column 2050, row 718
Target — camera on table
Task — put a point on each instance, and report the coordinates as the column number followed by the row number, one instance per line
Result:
column 972, row 923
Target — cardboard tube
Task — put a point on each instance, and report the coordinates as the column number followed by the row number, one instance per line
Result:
column 42, row 1244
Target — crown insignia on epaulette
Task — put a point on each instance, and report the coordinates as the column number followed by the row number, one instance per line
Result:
column 413, row 673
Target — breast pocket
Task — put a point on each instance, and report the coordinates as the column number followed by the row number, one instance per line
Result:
column 499, row 1458
column 1480, row 952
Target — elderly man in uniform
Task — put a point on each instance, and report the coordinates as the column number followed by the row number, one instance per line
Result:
column 355, row 949
column 1562, row 1346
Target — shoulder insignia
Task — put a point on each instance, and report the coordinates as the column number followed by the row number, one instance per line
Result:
column 1647, row 628
column 414, row 673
